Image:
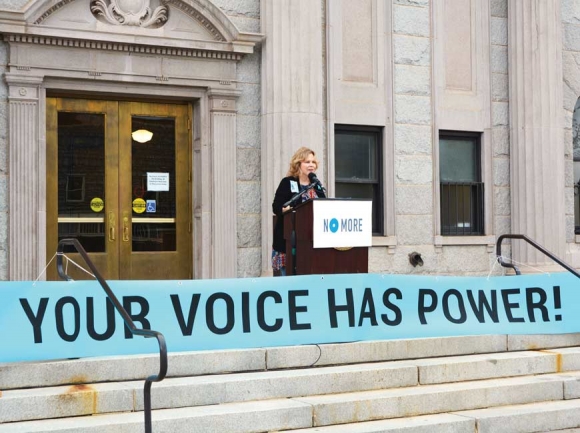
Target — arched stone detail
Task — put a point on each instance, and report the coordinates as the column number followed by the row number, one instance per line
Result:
column 48, row 12
column 212, row 18
column 216, row 22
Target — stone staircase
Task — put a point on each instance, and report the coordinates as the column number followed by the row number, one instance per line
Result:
column 479, row 384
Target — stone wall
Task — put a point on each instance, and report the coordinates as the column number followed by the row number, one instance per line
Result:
column 245, row 14
column 13, row 5
column 415, row 114
column 412, row 139
column 500, row 117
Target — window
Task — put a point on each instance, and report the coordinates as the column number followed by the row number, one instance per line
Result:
column 576, row 149
column 75, row 188
column 460, row 184
column 358, row 168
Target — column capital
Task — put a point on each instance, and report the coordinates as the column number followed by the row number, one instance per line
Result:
column 23, row 87
column 223, row 100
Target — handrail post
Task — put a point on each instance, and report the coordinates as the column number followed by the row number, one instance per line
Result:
column 147, row 333
column 536, row 246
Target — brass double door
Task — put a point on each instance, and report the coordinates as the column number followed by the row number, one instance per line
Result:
column 119, row 181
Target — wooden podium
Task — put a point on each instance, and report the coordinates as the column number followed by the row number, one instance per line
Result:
column 298, row 222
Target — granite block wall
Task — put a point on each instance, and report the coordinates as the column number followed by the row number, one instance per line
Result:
column 245, row 14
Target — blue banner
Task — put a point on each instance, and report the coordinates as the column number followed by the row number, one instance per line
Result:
column 53, row 320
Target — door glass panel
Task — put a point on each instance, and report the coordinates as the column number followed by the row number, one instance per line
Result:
column 81, row 175
column 153, row 181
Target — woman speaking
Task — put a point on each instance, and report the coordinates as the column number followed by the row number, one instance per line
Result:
column 299, row 177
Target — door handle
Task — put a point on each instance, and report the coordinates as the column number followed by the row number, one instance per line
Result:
column 125, row 227
column 111, row 226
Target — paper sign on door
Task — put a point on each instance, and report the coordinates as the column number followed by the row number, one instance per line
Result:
column 157, row 181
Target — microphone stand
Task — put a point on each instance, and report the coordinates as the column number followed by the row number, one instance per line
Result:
column 298, row 195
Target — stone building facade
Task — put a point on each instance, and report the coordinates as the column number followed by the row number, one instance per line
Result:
column 464, row 111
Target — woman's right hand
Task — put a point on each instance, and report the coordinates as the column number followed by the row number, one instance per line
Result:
column 286, row 208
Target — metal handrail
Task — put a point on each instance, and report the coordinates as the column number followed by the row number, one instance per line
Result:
column 536, row 246
column 147, row 333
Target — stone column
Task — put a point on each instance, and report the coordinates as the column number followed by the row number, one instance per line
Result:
column 292, row 95
column 536, row 129
column 223, row 174
column 27, row 178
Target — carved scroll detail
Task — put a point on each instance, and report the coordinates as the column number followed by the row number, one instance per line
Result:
column 130, row 12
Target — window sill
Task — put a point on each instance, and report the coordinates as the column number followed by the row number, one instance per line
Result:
column 577, row 239
column 385, row 241
column 489, row 240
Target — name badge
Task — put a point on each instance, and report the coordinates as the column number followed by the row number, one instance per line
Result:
column 293, row 186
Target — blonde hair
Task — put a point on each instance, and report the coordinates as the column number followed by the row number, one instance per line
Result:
column 299, row 156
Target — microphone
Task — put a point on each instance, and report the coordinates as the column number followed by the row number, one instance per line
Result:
column 313, row 179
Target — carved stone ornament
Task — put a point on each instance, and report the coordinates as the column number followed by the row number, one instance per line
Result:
column 130, row 12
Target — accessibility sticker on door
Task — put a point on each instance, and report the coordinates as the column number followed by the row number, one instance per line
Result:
column 151, row 206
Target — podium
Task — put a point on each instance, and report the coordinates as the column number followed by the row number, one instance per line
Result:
column 319, row 218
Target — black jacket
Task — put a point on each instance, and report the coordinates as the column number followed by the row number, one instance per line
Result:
column 283, row 194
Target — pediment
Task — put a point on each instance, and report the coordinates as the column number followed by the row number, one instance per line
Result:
column 185, row 24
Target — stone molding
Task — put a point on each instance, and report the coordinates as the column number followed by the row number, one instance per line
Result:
column 224, row 176
column 122, row 47
column 222, row 100
column 51, row 10
column 27, row 228
column 224, row 40
column 198, row 16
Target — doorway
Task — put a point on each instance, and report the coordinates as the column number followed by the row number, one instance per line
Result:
column 119, row 181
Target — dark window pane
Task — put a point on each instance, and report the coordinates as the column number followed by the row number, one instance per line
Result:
column 356, row 156
column 154, row 224
column 81, row 178
column 462, row 208
column 458, row 160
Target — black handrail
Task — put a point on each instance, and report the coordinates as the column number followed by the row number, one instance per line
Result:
column 147, row 333
column 536, row 246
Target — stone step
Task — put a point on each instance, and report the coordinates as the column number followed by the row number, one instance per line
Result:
column 441, row 423
column 138, row 367
column 487, row 366
column 248, row 417
column 554, row 416
column 76, row 400
column 54, row 402
column 431, row 399
column 292, row 416
column 528, row 418
column 568, row 430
